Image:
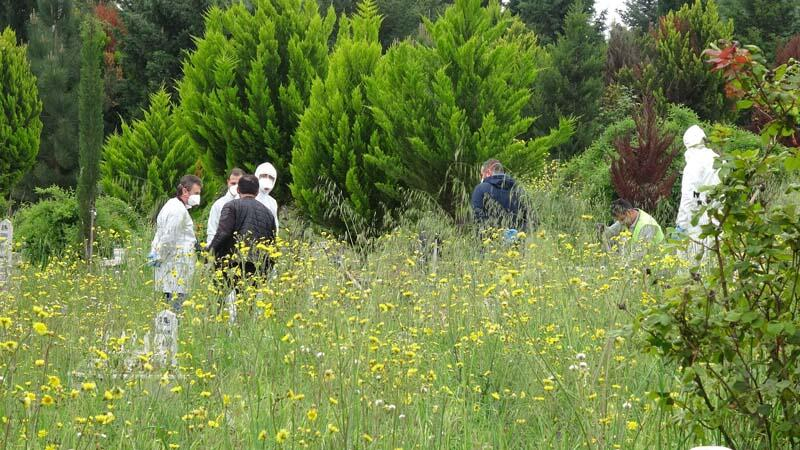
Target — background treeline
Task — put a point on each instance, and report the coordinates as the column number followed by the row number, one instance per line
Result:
column 367, row 109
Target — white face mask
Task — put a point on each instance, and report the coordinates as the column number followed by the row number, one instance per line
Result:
column 266, row 184
column 194, row 200
column 234, row 190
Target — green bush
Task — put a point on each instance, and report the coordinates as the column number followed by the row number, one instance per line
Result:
column 51, row 226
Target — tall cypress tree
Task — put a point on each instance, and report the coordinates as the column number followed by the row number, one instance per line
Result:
column 247, row 84
column 445, row 108
column 90, row 119
column 337, row 128
column 573, row 84
column 54, row 52
column 20, row 107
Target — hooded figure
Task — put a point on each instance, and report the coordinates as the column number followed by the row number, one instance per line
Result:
column 267, row 175
column 172, row 251
column 698, row 175
column 496, row 200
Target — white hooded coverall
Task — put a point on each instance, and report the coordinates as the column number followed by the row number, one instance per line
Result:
column 263, row 193
column 216, row 211
column 173, row 246
column 698, row 175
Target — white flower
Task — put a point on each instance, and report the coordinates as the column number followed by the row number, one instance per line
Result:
column 627, row 405
column 582, row 365
column 580, row 356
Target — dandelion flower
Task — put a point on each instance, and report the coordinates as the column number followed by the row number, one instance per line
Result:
column 40, row 328
column 281, row 436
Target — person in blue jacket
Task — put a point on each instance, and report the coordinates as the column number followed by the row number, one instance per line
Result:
column 497, row 201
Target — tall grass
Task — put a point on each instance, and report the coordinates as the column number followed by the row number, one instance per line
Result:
column 486, row 346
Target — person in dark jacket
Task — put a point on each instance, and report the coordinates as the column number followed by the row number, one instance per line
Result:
column 244, row 223
column 497, row 200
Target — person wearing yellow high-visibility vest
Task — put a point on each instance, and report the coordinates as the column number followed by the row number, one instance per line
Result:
column 643, row 228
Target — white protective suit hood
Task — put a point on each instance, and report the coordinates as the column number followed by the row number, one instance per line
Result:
column 694, row 137
column 266, row 169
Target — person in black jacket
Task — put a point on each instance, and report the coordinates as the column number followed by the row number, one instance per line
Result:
column 244, row 224
column 497, row 201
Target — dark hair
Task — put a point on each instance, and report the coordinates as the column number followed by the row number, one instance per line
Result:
column 187, row 182
column 620, row 206
column 236, row 172
column 248, row 184
column 494, row 165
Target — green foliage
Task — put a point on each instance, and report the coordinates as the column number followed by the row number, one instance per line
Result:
column 90, row 119
column 15, row 14
column 573, row 84
column 54, row 52
column 142, row 164
column 51, row 226
column 403, row 18
column 20, row 125
column 640, row 15
column 337, row 128
column 732, row 327
column 547, row 18
column 158, row 33
column 476, row 79
column 764, row 23
column 249, row 81
column 680, row 71
column 589, row 173
column 624, row 50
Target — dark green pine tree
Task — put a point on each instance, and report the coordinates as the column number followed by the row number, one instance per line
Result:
column 20, row 108
column 15, row 14
column 54, row 52
column 765, row 23
column 573, row 84
column 158, row 33
column 90, row 119
column 546, row 17
column 336, row 131
column 403, row 18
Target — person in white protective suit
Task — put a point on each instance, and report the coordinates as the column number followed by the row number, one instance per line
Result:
column 216, row 209
column 172, row 252
column 698, row 175
column 267, row 175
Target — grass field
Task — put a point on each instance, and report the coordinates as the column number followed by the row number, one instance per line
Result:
column 485, row 347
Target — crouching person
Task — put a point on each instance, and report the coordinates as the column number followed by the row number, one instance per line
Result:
column 246, row 226
column 643, row 228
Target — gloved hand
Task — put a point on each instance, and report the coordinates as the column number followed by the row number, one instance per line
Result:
column 510, row 236
column 153, row 260
column 680, row 230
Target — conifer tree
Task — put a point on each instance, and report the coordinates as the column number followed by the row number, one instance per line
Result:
column 142, row 162
column 337, row 127
column 546, row 17
column 678, row 64
column 764, row 23
column 54, row 52
column 20, row 125
column 15, row 14
column 477, row 77
column 573, row 84
column 90, row 119
column 247, row 84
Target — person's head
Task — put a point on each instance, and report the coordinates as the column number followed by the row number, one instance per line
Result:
column 491, row 167
column 267, row 175
column 248, row 186
column 694, row 137
column 623, row 211
column 234, row 175
column 188, row 190
column 233, row 180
